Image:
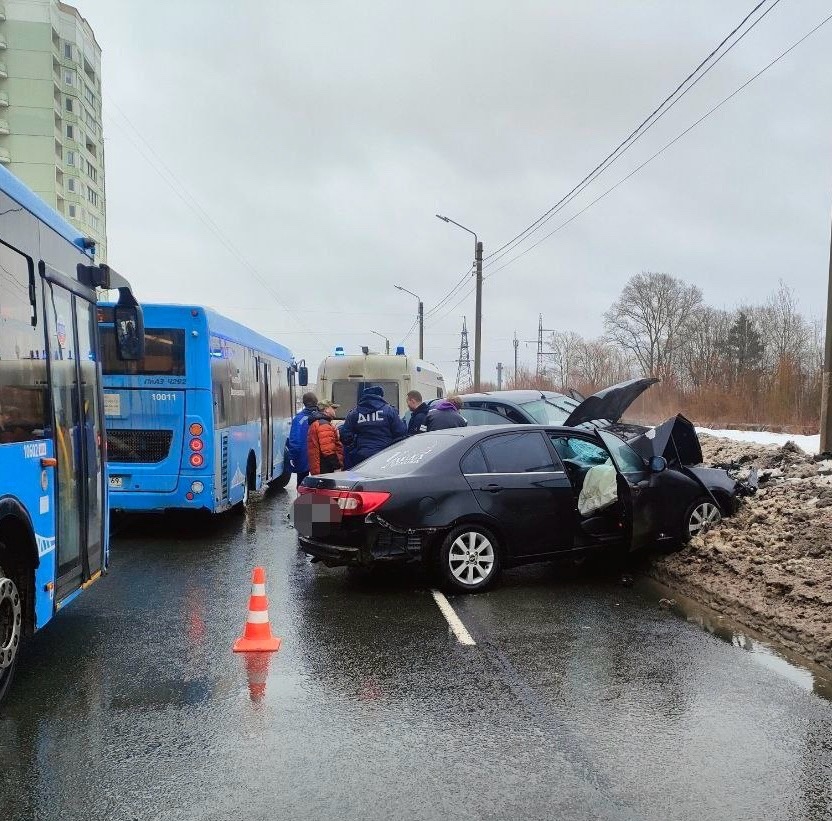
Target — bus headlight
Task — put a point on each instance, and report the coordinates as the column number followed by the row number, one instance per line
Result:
column 197, row 487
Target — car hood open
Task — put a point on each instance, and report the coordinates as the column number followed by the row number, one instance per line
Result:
column 610, row 403
column 675, row 440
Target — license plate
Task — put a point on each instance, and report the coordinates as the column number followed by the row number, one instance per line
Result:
column 116, row 482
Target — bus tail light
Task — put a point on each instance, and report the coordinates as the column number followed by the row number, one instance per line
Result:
column 197, row 487
column 195, row 429
column 197, row 444
column 197, row 460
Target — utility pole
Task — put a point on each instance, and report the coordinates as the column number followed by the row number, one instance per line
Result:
column 826, row 390
column 478, row 319
column 421, row 329
column 499, row 376
column 516, row 346
column 386, row 341
column 420, row 317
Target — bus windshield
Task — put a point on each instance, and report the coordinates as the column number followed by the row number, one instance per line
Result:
column 164, row 353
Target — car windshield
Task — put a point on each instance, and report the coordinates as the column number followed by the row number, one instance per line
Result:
column 407, row 456
column 551, row 410
column 625, row 458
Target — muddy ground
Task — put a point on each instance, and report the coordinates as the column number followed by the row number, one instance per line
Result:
column 770, row 566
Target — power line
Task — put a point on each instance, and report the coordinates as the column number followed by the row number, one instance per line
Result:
column 451, row 292
column 666, row 146
column 636, row 134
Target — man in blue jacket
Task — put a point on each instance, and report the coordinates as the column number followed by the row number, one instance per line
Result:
column 370, row 427
column 298, row 433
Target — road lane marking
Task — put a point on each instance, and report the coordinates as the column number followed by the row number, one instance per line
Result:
column 455, row 623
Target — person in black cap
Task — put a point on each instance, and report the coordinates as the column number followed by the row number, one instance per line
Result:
column 370, row 427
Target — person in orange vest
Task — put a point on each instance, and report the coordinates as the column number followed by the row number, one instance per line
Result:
column 326, row 453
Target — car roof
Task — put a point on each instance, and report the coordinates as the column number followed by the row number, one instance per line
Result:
column 476, row 430
column 520, row 396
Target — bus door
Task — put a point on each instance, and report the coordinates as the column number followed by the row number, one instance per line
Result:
column 266, row 455
column 76, row 428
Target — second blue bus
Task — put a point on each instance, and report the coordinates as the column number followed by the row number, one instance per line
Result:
column 202, row 420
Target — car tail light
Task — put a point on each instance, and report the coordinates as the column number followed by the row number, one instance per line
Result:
column 197, row 444
column 195, row 429
column 351, row 502
column 197, row 460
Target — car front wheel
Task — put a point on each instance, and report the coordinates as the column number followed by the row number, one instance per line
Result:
column 469, row 559
column 702, row 515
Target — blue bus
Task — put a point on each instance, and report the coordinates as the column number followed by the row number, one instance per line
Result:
column 202, row 420
column 53, row 496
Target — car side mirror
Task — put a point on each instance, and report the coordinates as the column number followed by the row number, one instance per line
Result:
column 129, row 327
column 303, row 376
column 658, row 464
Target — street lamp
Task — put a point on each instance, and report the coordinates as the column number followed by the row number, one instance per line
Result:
column 386, row 341
column 421, row 320
column 478, row 309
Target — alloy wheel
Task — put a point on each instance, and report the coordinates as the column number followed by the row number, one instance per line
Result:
column 703, row 517
column 471, row 558
column 11, row 622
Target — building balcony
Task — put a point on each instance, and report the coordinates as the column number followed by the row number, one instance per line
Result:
column 2, row 12
column 4, row 127
column 5, row 157
column 3, row 71
column 4, row 99
column 3, row 43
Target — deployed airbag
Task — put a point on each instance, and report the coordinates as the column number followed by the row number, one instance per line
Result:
column 600, row 489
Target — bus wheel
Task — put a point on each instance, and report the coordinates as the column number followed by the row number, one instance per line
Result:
column 11, row 627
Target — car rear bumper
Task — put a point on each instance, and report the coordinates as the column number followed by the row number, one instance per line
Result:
column 378, row 545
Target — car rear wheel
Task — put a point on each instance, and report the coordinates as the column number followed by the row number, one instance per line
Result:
column 702, row 515
column 11, row 628
column 469, row 559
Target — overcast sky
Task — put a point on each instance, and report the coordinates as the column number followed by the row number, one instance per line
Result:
column 321, row 138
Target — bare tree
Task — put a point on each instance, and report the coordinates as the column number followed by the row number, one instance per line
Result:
column 565, row 346
column 651, row 318
column 599, row 363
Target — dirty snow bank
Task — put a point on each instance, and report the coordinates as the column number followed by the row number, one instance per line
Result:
column 810, row 444
column 770, row 566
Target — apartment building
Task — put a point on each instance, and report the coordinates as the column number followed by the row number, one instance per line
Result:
column 50, row 110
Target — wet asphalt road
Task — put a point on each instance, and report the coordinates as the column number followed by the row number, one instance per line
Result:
column 582, row 699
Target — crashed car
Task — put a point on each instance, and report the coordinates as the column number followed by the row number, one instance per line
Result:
column 470, row 501
column 534, row 407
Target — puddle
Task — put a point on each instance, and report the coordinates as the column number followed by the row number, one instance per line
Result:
column 790, row 665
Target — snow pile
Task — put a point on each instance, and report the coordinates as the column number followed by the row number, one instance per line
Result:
column 809, row 444
column 771, row 564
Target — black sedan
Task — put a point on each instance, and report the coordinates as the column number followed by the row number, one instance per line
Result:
column 468, row 502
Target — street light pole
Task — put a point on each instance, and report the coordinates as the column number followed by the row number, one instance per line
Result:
column 826, row 389
column 421, row 320
column 386, row 341
column 478, row 305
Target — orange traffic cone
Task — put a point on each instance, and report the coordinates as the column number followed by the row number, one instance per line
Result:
column 257, row 635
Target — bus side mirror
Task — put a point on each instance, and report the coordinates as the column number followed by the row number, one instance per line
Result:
column 129, row 328
column 303, row 376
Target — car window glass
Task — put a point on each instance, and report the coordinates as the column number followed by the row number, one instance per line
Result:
column 580, row 451
column 479, row 416
column 517, row 453
column 474, row 463
column 626, row 459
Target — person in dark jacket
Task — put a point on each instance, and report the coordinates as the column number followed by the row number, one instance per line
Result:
column 297, row 444
column 445, row 414
column 370, row 427
column 418, row 413
column 326, row 453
